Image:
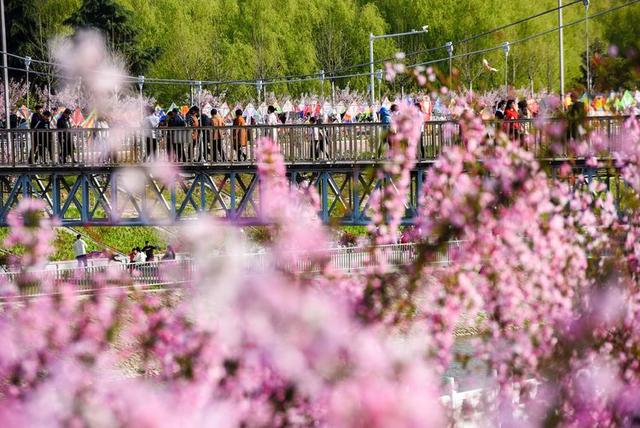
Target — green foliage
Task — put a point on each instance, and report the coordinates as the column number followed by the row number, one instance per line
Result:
column 355, row 230
column 120, row 28
column 119, row 238
column 30, row 26
column 250, row 39
column 259, row 234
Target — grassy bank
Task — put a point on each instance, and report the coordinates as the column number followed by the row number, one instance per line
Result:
column 122, row 239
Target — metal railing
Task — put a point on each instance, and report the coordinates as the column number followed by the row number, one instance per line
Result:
column 171, row 273
column 237, row 145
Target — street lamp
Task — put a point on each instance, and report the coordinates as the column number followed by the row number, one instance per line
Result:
column 379, row 76
column 199, row 87
column 333, row 90
column 259, row 85
column 27, row 64
column 506, row 47
column 588, row 58
column 449, row 47
column 372, row 38
column 561, row 44
column 140, row 86
column 322, row 83
column 5, row 72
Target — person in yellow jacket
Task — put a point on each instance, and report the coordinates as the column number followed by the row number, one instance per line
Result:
column 218, row 150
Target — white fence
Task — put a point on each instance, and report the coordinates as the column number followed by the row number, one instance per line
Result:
column 169, row 273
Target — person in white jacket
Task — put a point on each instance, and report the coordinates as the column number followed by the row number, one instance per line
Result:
column 272, row 120
column 140, row 256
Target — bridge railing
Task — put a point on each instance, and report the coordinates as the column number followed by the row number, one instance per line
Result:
column 237, row 145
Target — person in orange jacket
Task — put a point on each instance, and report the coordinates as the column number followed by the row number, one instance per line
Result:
column 239, row 136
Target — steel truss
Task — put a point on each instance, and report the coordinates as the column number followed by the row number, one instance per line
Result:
column 135, row 197
column 108, row 196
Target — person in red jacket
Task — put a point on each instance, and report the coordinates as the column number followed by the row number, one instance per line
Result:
column 511, row 113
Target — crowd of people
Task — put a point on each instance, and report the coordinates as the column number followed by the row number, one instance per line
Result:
column 511, row 112
column 198, row 145
column 218, row 134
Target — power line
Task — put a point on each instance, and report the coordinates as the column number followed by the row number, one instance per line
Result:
column 311, row 76
column 315, row 76
column 470, row 38
column 286, row 79
column 527, row 38
column 519, row 41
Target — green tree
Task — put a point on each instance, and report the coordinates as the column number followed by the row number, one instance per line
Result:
column 120, row 29
column 30, row 25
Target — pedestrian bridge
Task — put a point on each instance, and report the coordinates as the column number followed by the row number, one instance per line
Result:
column 85, row 175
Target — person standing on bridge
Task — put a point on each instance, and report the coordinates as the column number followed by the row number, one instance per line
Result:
column 36, row 117
column 272, row 120
column 499, row 113
column 65, row 139
column 317, row 140
column 151, row 122
column 37, row 123
column 511, row 114
column 168, row 136
column 204, row 154
column 423, row 151
column 47, row 137
column 80, row 251
column 575, row 116
column 239, row 136
column 177, row 136
column 218, row 123
column 385, row 119
column 193, row 121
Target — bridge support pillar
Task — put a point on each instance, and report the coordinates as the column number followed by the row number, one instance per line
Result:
column 324, row 196
column 86, row 203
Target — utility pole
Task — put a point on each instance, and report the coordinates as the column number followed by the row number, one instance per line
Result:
column 5, row 71
column 449, row 46
column 333, row 93
column 259, row 89
column 372, row 38
column 371, row 84
column 506, row 47
column 588, row 56
column 27, row 65
column 140, row 86
column 379, row 76
column 199, row 87
column 561, row 43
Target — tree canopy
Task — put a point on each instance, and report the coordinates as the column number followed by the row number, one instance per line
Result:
column 260, row 39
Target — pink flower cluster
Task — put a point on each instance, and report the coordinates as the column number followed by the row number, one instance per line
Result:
column 292, row 212
column 31, row 231
column 547, row 271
